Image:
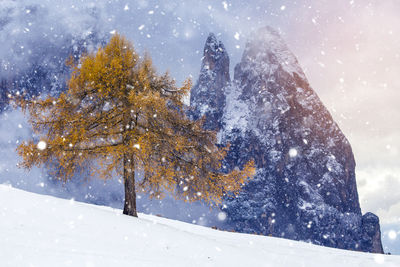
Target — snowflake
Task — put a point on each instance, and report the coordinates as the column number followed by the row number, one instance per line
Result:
column 41, row 145
column 293, row 152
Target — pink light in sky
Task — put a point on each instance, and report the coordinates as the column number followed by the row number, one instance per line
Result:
column 350, row 52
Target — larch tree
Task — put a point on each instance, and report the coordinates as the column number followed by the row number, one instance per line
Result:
column 119, row 117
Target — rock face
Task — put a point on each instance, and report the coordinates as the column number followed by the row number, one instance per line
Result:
column 305, row 186
column 371, row 233
column 207, row 96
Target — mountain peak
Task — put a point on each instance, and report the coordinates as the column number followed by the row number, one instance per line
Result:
column 214, row 53
column 267, row 32
column 207, row 96
column 211, row 39
column 305, row 186
column 266, row 50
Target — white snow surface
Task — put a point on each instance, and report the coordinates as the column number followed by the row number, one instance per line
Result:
column 40, row 230
column 236, row 112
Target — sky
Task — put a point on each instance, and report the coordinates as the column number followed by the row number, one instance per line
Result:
column 349, row 50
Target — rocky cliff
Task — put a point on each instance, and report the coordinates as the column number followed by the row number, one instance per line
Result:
column 305, row 186
column 207, row 96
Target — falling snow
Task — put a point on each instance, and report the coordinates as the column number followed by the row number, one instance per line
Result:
column 293, row 152
column 354, row 72
column 42, row 145
column 392, row 234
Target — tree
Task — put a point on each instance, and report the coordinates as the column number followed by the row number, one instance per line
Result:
column 119, row 117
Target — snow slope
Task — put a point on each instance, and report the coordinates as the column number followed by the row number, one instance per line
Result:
column 38, row 230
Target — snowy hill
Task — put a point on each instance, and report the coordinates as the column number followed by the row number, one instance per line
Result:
column 38, row 230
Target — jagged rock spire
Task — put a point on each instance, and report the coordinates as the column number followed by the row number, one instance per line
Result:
column 207, row 96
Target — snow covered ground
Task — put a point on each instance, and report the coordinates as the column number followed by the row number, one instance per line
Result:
column 39, row 230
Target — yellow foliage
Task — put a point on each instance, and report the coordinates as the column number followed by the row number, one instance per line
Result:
column 121, row 115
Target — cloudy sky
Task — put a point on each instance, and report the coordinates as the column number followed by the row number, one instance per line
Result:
column 349, row 50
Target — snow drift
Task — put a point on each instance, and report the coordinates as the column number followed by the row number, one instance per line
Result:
column 38, row 230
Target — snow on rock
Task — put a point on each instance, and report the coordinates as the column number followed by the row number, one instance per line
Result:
column 207, row 96
column 237, row 117
column 39, row 230
column 306, row 168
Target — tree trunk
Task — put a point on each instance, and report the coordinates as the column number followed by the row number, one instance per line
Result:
column 129, row 183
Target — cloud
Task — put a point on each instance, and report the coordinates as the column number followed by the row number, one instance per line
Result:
column 380, row 192
column 42, row 33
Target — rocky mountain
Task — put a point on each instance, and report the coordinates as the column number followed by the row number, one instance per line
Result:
column 305, row 186
column 36, row 41
column 207, row 96
column 47, row 73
